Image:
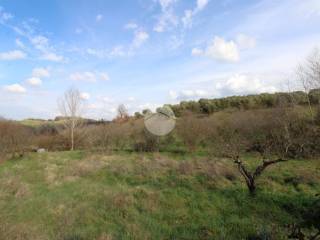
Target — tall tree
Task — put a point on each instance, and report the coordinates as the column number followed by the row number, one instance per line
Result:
column 309, row 75
column 71, row 106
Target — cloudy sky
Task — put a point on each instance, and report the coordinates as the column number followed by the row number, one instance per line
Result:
column 144, row 53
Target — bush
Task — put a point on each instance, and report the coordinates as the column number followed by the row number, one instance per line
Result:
column 15, row 138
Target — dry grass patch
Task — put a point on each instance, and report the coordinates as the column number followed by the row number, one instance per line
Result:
column 13, row 186
column 20, row 231
column 105, row 236
column 211, row 168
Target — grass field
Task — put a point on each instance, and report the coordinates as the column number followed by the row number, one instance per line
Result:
column 37, row 123
column 82, row 195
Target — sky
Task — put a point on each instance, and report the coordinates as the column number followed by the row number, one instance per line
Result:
column 145, row 53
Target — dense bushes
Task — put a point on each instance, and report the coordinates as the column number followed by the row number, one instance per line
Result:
column 283, row 128
column 286, row 132
column 15, row 139
column 282, row 131
column 265, row 100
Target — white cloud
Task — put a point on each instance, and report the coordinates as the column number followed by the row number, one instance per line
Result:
column 19, row 43
column 188, row 94
column 12, row 55
column 196, row 52
column 53, row 57
column 187, row 19
column 83, row 76
column 15, row 88
column 166, row 3
column 104, row 76
column 165, row 21
column 96, row 53
column 94, row 106
column 117, row 51
column 34, row 81
column 140, row 37
column 175, row 42
column 151, row 106
column 245, row 42
column 5, row 16
column 40, row 42
column 219, row 49
column 89, row 76
column 201, row 4
column 40, row 72
column 107, row 100
column 99, row 17
column 167, row 18
column 84, row 96
column 131, row 25
column 244, row 84
column 309, row 8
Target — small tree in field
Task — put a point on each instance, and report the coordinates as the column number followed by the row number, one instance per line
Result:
column 309, row 75
column 238, row 135
column 122, row 114
column 71, row 107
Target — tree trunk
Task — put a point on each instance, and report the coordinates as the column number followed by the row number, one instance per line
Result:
column 249, row 177
column 72, row 137
column 252, row 188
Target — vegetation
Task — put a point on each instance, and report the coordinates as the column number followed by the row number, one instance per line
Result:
column 265, row 100
column 86, row 195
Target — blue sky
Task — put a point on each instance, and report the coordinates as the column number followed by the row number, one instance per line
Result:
column 144, row 53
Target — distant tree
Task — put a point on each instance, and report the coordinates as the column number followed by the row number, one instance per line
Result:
column 138, row 115
column 71, row 106
column 122, row 114
column 146, row 111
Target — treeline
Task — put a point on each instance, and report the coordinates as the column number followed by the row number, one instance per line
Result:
column 284, row 131
column 257, row 101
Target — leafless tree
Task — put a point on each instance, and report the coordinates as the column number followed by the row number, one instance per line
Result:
column 122, row 114
column 309, row 74
column 243, row 132
column 250, row 177
column 71, row 106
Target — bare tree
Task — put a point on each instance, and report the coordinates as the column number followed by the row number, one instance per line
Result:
column 250, row 177
column 251, row 132
column 309, row 75
column 122, row 113
column 71, row 107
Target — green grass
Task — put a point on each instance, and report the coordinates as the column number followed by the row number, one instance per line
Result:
column 38, row 123
column 79, row 195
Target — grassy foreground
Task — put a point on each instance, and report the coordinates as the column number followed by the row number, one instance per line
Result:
column 78, row 195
